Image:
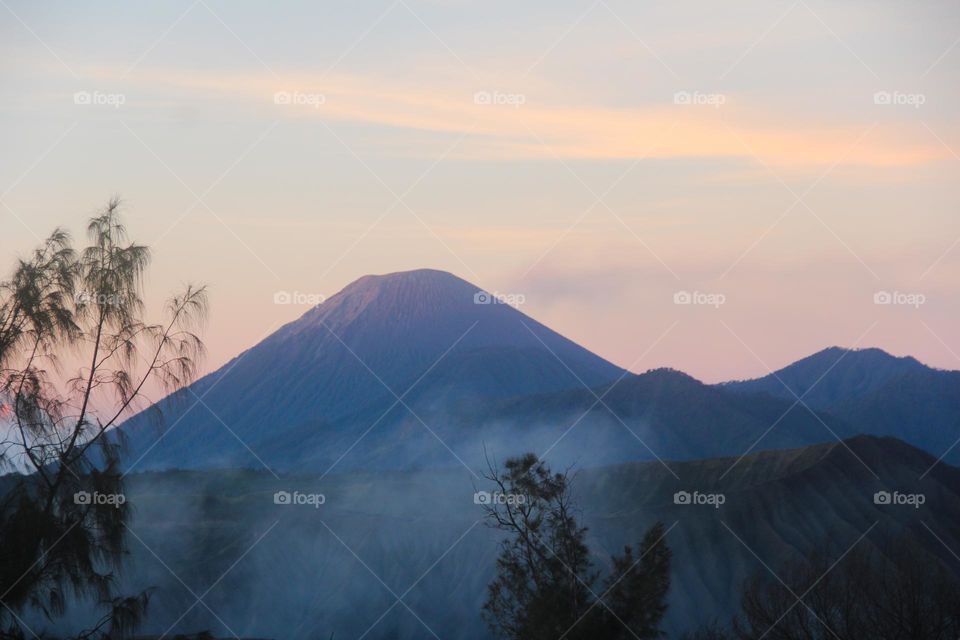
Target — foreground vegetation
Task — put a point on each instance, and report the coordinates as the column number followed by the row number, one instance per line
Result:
column 62, row 522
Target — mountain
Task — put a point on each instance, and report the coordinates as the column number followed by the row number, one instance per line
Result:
column 876, row 392
column 301, row 571
column 921, row 407
column 420, row 370
column 663, row 413
column 331, row 373
column 831, row 375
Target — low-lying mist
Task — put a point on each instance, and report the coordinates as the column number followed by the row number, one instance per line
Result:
column 401, row 554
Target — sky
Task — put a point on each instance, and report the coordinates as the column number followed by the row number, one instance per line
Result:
column 788, row 168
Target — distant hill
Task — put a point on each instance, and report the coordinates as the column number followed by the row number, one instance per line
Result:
column 876, row 393
column 675, row 415
column 921, row 407
column 287, row 571
column 831, row 375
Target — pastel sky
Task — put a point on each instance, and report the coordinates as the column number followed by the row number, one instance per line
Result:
column 595, row 156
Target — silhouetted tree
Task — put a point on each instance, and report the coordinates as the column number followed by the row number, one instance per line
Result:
column 544, row 587
column 897, row 591
column 62, row 511
column 635, row 593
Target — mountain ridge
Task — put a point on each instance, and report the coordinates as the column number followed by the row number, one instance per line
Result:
column 406, row 368
column 860, row 370
column 895, row 396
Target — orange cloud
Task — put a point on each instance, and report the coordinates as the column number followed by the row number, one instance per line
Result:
column 511, row 126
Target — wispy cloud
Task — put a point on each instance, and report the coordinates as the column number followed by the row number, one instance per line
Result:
column 508, row 124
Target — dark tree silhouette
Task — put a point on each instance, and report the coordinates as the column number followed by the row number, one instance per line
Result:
column 896, row 591
column 62, row 510
column 544, row 587
column 635, row 593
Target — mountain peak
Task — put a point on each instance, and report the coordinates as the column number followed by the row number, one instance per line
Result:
column 670, row 374
column 400, row 298
column 831, row 374
column 424, row 278
column 868, row 356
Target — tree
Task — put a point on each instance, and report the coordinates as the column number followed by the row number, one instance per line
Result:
column 63, row 512
column 545, row 579
column 636, row 590
column 896, row 591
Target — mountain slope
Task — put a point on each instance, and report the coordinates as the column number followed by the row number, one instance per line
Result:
column 922, row 408
column 659, row 414
column 674, row 415
column 347, row 360
column 781, row 506
column 876, row 393
column 831, row 375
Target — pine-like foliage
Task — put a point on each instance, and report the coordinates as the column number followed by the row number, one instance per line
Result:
column 546, row 585
column 63, row 514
